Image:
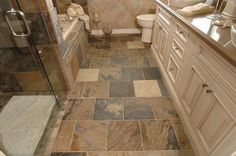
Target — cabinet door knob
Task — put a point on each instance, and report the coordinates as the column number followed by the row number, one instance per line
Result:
column 171, row 69
column 204, row 85
column 176, row 48
column 181, row 32
column 209, row 91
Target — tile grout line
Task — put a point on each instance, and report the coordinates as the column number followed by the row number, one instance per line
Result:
column 140, row 129
column 154, row 114
column 72, row 137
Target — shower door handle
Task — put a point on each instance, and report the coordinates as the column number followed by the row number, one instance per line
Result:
column 22, row 15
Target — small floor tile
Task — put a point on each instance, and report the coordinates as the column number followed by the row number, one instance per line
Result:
column 64, row 136
column 132, row 74
column 152, row 73
column 121, row 89
column 181, row 136
column 88, row 75
column 106, row 153
column 68, row 154
column 80, row 109
column 146, row 88
column 109, row 109
column 158, row 135
column 135, row 44
column 124, row 136
column 89, row 136
column 138, row 108
column 96, row 89
column 109, row 74
column 163, row 108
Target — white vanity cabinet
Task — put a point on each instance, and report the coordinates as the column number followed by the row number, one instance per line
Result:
column 202, row 84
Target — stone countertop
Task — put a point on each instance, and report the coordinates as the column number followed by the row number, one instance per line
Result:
column 218, row 38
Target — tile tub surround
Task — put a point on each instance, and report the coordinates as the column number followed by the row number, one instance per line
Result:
column 104, row 117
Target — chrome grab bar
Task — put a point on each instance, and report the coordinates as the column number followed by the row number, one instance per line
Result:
column 14, row 12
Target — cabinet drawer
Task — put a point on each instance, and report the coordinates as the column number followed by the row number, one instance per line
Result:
column 181, row 33
column 163, row 15
column 178, row 50
column 173, row 69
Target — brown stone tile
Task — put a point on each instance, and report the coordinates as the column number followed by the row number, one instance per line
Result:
column 138, row 108
column 124, row 136
column 153, row 153
column 97, row 89
column 110, row 53
column 77, row 91
column 106, row 153
column 135, row 44
column 119, row 45
column 141, row 61
column 68, row 154
column 88, row 75
column 64, row 136
column 89, row 136
column 121, row 89
column 100, row 62
column 109, row 74
column 102, row 45
column 80, row 109
column 163, row 108
column 181, row 136
column 158, row 135
column 129, row 52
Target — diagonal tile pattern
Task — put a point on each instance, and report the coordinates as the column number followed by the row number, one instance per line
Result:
column 119, row 105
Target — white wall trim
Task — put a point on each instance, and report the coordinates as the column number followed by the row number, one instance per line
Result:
column 118, row 31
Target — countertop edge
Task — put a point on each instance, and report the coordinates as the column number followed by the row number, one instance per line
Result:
column 213, row 44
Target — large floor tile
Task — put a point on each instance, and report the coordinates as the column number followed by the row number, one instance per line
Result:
column 80, row 109
column 121, row 89
column 181, row 136
column 110, row 53
column 110, row 74
column 132, row 74
column 88, row 75
column 109, row 109
column 163, row 108
column 96, row 89
column 152, row 73
column 106, row 153
column 77, row 91
column 158, row 135
column 89, row 136
column 140, row 61
column 147, row 88
column 124, row 136
column 68, row 154
column 100, row 62
column 121, row 61
column 64, row 136
column 138, row 108
column 129, row 52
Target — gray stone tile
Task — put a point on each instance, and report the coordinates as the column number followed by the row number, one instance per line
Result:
column 109, row 109
column 138, row 108
column 121, row 89
column 100, row 62
column 109, row 74
column 85, row 63
column 162, row 87
column 132, row 74
column 152, row 73
column 158, row 135
column 120, row 61
column 140, row 61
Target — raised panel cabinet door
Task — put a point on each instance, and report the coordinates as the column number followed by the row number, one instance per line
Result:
column 157, row 37
column 163, row 48
column 193, row 88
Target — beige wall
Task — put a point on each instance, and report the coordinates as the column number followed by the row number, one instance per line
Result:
column 121, row 14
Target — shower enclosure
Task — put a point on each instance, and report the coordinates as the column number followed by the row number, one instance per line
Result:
column 30, row 77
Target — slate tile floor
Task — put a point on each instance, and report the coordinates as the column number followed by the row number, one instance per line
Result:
column 119, row 105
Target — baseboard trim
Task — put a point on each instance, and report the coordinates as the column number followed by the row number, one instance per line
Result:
column 117, row 31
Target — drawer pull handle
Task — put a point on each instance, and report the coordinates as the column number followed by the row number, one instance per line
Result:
column 204, row 85
column 172, row 69
column 176, row 48
column 209, row 91
column 181, row 32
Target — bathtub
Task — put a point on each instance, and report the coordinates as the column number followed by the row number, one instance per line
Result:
column 67, row 26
